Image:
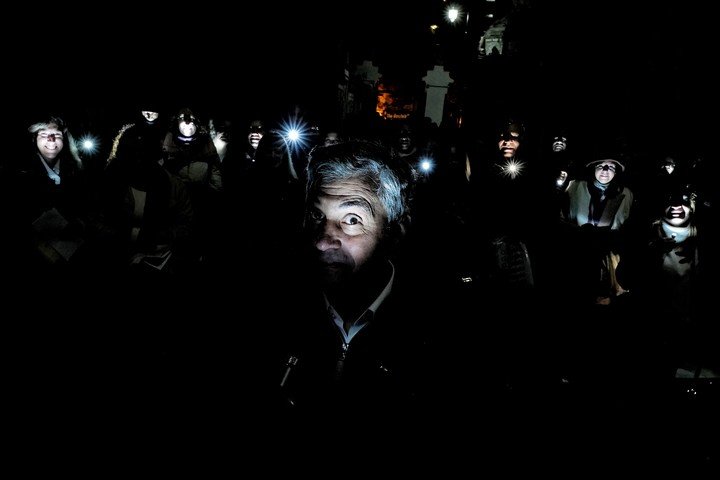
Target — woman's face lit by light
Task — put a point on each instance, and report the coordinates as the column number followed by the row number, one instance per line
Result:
column 605, row 172
column 187, row 129
column 677, row 215
column 49, row 142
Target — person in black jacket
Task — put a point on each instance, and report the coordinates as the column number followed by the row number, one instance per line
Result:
column 361, row 344
column 48, row 194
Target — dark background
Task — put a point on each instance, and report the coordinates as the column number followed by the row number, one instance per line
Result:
column 641, row 70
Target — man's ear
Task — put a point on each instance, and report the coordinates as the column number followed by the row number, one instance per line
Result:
column 398, row 230
column 403, row 225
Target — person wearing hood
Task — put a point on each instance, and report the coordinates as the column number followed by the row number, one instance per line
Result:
column 142, row 135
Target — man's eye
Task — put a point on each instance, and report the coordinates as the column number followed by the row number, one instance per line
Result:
column 316, row 215
column 352, row 220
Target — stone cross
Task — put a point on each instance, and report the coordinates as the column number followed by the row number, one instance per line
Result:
column 436, row 81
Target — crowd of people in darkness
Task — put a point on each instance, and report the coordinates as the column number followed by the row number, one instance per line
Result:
column 407, row 278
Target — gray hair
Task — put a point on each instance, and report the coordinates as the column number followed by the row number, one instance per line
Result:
column 367, row 162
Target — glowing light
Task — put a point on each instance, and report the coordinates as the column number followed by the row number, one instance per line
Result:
column 433, row 28
column 512, row 168
column 426, row 165
column 295, row 131
column 89, row 144
column 560, row 181
column 452, row 13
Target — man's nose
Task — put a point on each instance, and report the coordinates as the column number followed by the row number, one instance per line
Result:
column 328, row 237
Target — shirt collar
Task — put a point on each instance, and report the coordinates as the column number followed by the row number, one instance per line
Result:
column 52, row 173
column 366, row 316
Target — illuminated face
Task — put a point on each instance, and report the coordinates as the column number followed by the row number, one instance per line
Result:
column 346, row 221
column 405, row 142
column 559, row 144
column 50, row 142
column 150, row 117
column 677, row 215
column 188, row 129
column 605, row 172
column 332, row 138
column 677, row 211
column 508, row 144
column 254, row 138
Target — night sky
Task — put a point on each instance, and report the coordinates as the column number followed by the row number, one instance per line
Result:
column 642, row 68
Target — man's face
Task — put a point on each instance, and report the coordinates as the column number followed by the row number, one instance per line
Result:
column 254, row 138
column 331, row 138
column 405, row 142
column 508, row 144
column 559, row 144
column 50, row 142
column 188, row 129
column 150, row 117
column 605, row 172
column 346, row 220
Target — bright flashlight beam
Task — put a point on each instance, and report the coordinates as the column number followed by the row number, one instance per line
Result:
column 89, row 144
column 453, row 13
column 426, row 165
column 294, row 131
column 512, row 168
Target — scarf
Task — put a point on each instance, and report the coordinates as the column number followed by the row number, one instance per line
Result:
column 598, row 200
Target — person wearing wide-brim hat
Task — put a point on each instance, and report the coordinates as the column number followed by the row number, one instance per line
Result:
column 601, row 205
column 617, row 163
column 601, row 200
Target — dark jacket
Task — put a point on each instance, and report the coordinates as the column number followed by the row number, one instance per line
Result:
column 390, row 368
column 167, row 218
column 28, row 194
